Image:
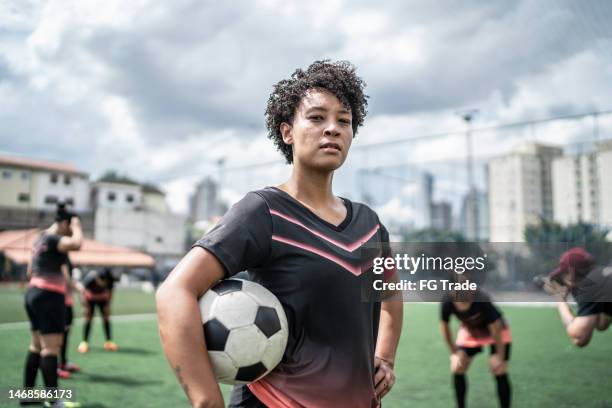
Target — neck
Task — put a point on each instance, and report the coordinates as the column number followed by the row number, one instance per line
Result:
column 313, row 188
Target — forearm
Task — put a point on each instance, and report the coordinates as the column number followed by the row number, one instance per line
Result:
column 390, row 329
column 448, row 338
column 567, row 317
column 182, row 339
column 496, row 333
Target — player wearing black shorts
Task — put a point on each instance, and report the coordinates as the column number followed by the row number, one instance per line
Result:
column 98, row 292
column 482, row 324
column 45, row 297
column 303, row 244
column 590, row 285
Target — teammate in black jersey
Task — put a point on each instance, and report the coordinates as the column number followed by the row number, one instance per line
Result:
column 591, row 286
column 98, row 291
column 45, row 298
column 482, row 324
column 301, row 242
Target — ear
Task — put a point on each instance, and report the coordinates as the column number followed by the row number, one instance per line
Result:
column 287, row 133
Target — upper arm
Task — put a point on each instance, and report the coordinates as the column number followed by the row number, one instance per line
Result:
column 66, row 244
column 495, row 327
column 195, row 273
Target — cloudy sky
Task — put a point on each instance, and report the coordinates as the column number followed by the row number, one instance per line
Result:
column 162, row 90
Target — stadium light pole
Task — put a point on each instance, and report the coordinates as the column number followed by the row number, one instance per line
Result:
column 472, row 201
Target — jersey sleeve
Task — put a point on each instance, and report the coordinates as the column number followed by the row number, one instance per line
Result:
column 446, row 309
column 490, row 312
column 588, row 308
column 242, row 238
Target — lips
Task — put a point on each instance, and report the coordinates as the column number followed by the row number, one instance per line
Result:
column 330, row 145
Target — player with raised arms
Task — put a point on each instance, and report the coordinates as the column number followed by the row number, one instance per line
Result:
column 482, row 324
column 45, row 298
column 302, row 243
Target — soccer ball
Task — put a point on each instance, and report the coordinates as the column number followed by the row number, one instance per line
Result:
column 245, row 328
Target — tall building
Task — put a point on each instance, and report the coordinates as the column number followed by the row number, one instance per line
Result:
column 204, row 203
column 474, row 216
column 520, row 190
column 423, row 201
column 582, row 189
column 442, row 215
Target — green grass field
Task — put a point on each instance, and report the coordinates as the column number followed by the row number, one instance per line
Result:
column 546, row 371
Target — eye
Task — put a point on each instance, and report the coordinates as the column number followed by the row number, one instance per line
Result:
column 345, row 121
column 315, row 117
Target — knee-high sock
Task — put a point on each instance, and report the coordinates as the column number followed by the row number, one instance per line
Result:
column 107, row 329
column 86, row 330
column 503, row 390
column 460, row 382
column 48, row 366
column 31, row 369
column 63, row 359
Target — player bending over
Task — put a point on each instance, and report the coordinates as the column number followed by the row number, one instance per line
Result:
column 591, row 287
column 98, row 293
column 482, row 324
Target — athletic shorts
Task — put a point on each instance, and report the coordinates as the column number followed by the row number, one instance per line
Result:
column 472, row 351
column 99, row 303
column 592, row 308
column 46, row 310
column 69, row 315
column 242, row 397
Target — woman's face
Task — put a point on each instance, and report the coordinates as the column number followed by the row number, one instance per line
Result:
column 321, row 132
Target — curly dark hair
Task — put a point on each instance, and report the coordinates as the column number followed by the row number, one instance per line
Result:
column 338, row 77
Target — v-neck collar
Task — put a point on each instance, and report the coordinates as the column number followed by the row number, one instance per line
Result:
column 340, row 227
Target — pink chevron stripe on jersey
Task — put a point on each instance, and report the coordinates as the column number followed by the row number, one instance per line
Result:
column 355, row 270
column 350, row 247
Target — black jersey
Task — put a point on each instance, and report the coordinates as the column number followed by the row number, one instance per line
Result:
column 46, row 258
column 477, row 318
column 47, row 263
column 593, row 293
column 314, row 269
column 98, row 282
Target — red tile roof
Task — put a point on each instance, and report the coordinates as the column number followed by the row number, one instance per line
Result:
column 17, row 244
column 36, row 164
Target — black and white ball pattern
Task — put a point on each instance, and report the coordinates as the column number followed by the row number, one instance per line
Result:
column 245, row 328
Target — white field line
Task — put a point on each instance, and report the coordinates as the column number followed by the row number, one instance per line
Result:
column 115, row 319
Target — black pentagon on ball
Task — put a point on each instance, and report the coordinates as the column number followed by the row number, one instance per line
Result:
column 267, row 321
column 227, row 286
column 215, row 334
column 250, row 373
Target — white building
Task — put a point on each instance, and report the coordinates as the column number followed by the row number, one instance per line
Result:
column 520, row 190
column 40, row 184
column 134, row 215
column 582, row 187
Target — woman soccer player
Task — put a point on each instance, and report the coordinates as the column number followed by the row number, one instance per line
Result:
column 45, row 298
column 301, row 242
column 482, row 324
column 98, row 292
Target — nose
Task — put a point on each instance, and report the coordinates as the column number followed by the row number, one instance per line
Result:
column 332, row 129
